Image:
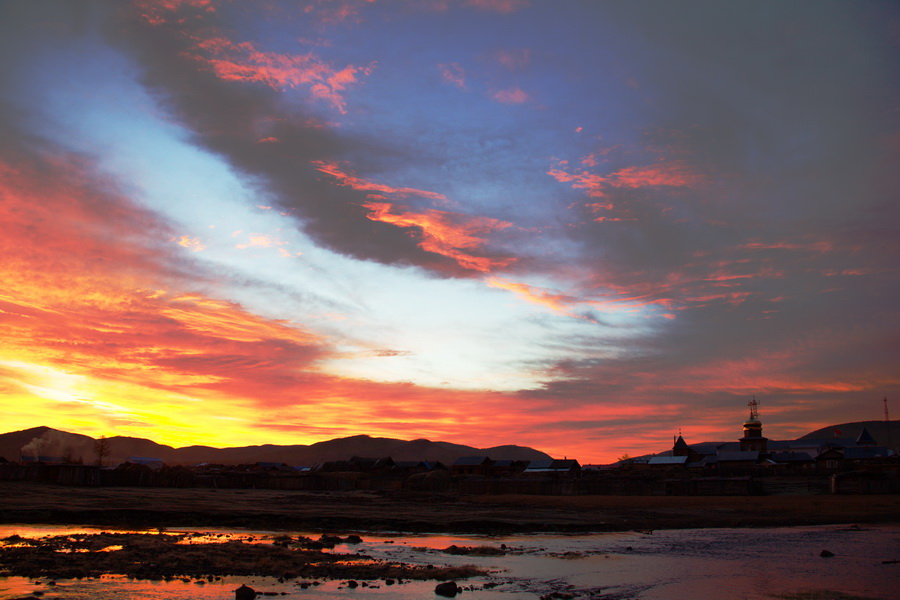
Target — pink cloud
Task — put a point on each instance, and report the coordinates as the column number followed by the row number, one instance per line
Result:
column 514, row 60
column 820, row 246
column 498, row 6
column 158, row 12
column 513, row 96
column 453, row 73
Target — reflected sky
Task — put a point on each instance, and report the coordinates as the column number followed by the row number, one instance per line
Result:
column 676, row 564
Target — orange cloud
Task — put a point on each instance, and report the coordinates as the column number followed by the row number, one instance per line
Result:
column 356, row 183
column 592, row 183
column 560, row 303
column 259, row 240
column 191, row 243
column 444, row 233
column 673, row 174
column 244, row 62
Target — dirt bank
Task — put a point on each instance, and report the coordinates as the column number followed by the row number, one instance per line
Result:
column 364, row 511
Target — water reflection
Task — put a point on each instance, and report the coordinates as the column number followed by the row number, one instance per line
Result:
column 671, row 565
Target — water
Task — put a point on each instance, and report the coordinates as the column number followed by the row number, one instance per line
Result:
column 738, row 564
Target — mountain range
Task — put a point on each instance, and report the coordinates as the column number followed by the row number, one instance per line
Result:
column 48, row 442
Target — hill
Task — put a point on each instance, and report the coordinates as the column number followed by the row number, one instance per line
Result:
column 885, row 432
column 48, row 442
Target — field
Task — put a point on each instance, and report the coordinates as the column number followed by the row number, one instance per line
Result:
column 22, row 502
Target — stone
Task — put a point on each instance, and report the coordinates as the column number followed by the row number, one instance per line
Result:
column 244, row 592
column 448, row 589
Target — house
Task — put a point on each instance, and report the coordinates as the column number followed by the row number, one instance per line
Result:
column 865, row 453
column 736, row 460
column 481, row 466
column 790, row 462
column 356, row 464
column 830, row 458
column 152, row 463
column 410, row 467
column 668, row 461
column 555, row 466
column 273, row 466
column 507, row 468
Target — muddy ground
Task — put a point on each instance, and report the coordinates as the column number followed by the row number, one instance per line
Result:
column 195, row 556
column 22, row 502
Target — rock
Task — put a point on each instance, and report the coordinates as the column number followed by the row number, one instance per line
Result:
column 353, row 539
column 330, row 540
column 352, row 584
column 826, row 554
column 244, row 593
column 448, row 589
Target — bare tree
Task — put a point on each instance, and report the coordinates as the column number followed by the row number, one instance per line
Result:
column 69, row 457
column 101, row 450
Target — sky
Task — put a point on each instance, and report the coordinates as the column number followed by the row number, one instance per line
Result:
column 580, row 226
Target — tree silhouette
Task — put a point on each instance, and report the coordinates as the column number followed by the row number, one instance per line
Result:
column 101, row 450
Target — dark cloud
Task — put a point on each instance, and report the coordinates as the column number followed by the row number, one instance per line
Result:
column 232, row 118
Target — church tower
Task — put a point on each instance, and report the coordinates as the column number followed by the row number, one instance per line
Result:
column 753, row 438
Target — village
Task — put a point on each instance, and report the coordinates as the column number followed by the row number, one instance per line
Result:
column 751, row 465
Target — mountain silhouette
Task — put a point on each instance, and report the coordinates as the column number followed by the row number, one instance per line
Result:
column 885, row 432
column 53, row 443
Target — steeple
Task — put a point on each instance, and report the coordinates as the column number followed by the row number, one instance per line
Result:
column 753, row 438
column 865, row 438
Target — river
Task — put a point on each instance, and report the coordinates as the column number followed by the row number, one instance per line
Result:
column 669, row 564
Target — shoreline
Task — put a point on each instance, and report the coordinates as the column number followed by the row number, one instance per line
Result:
column 276, row 510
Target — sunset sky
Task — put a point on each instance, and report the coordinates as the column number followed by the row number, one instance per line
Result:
column 573, row 225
